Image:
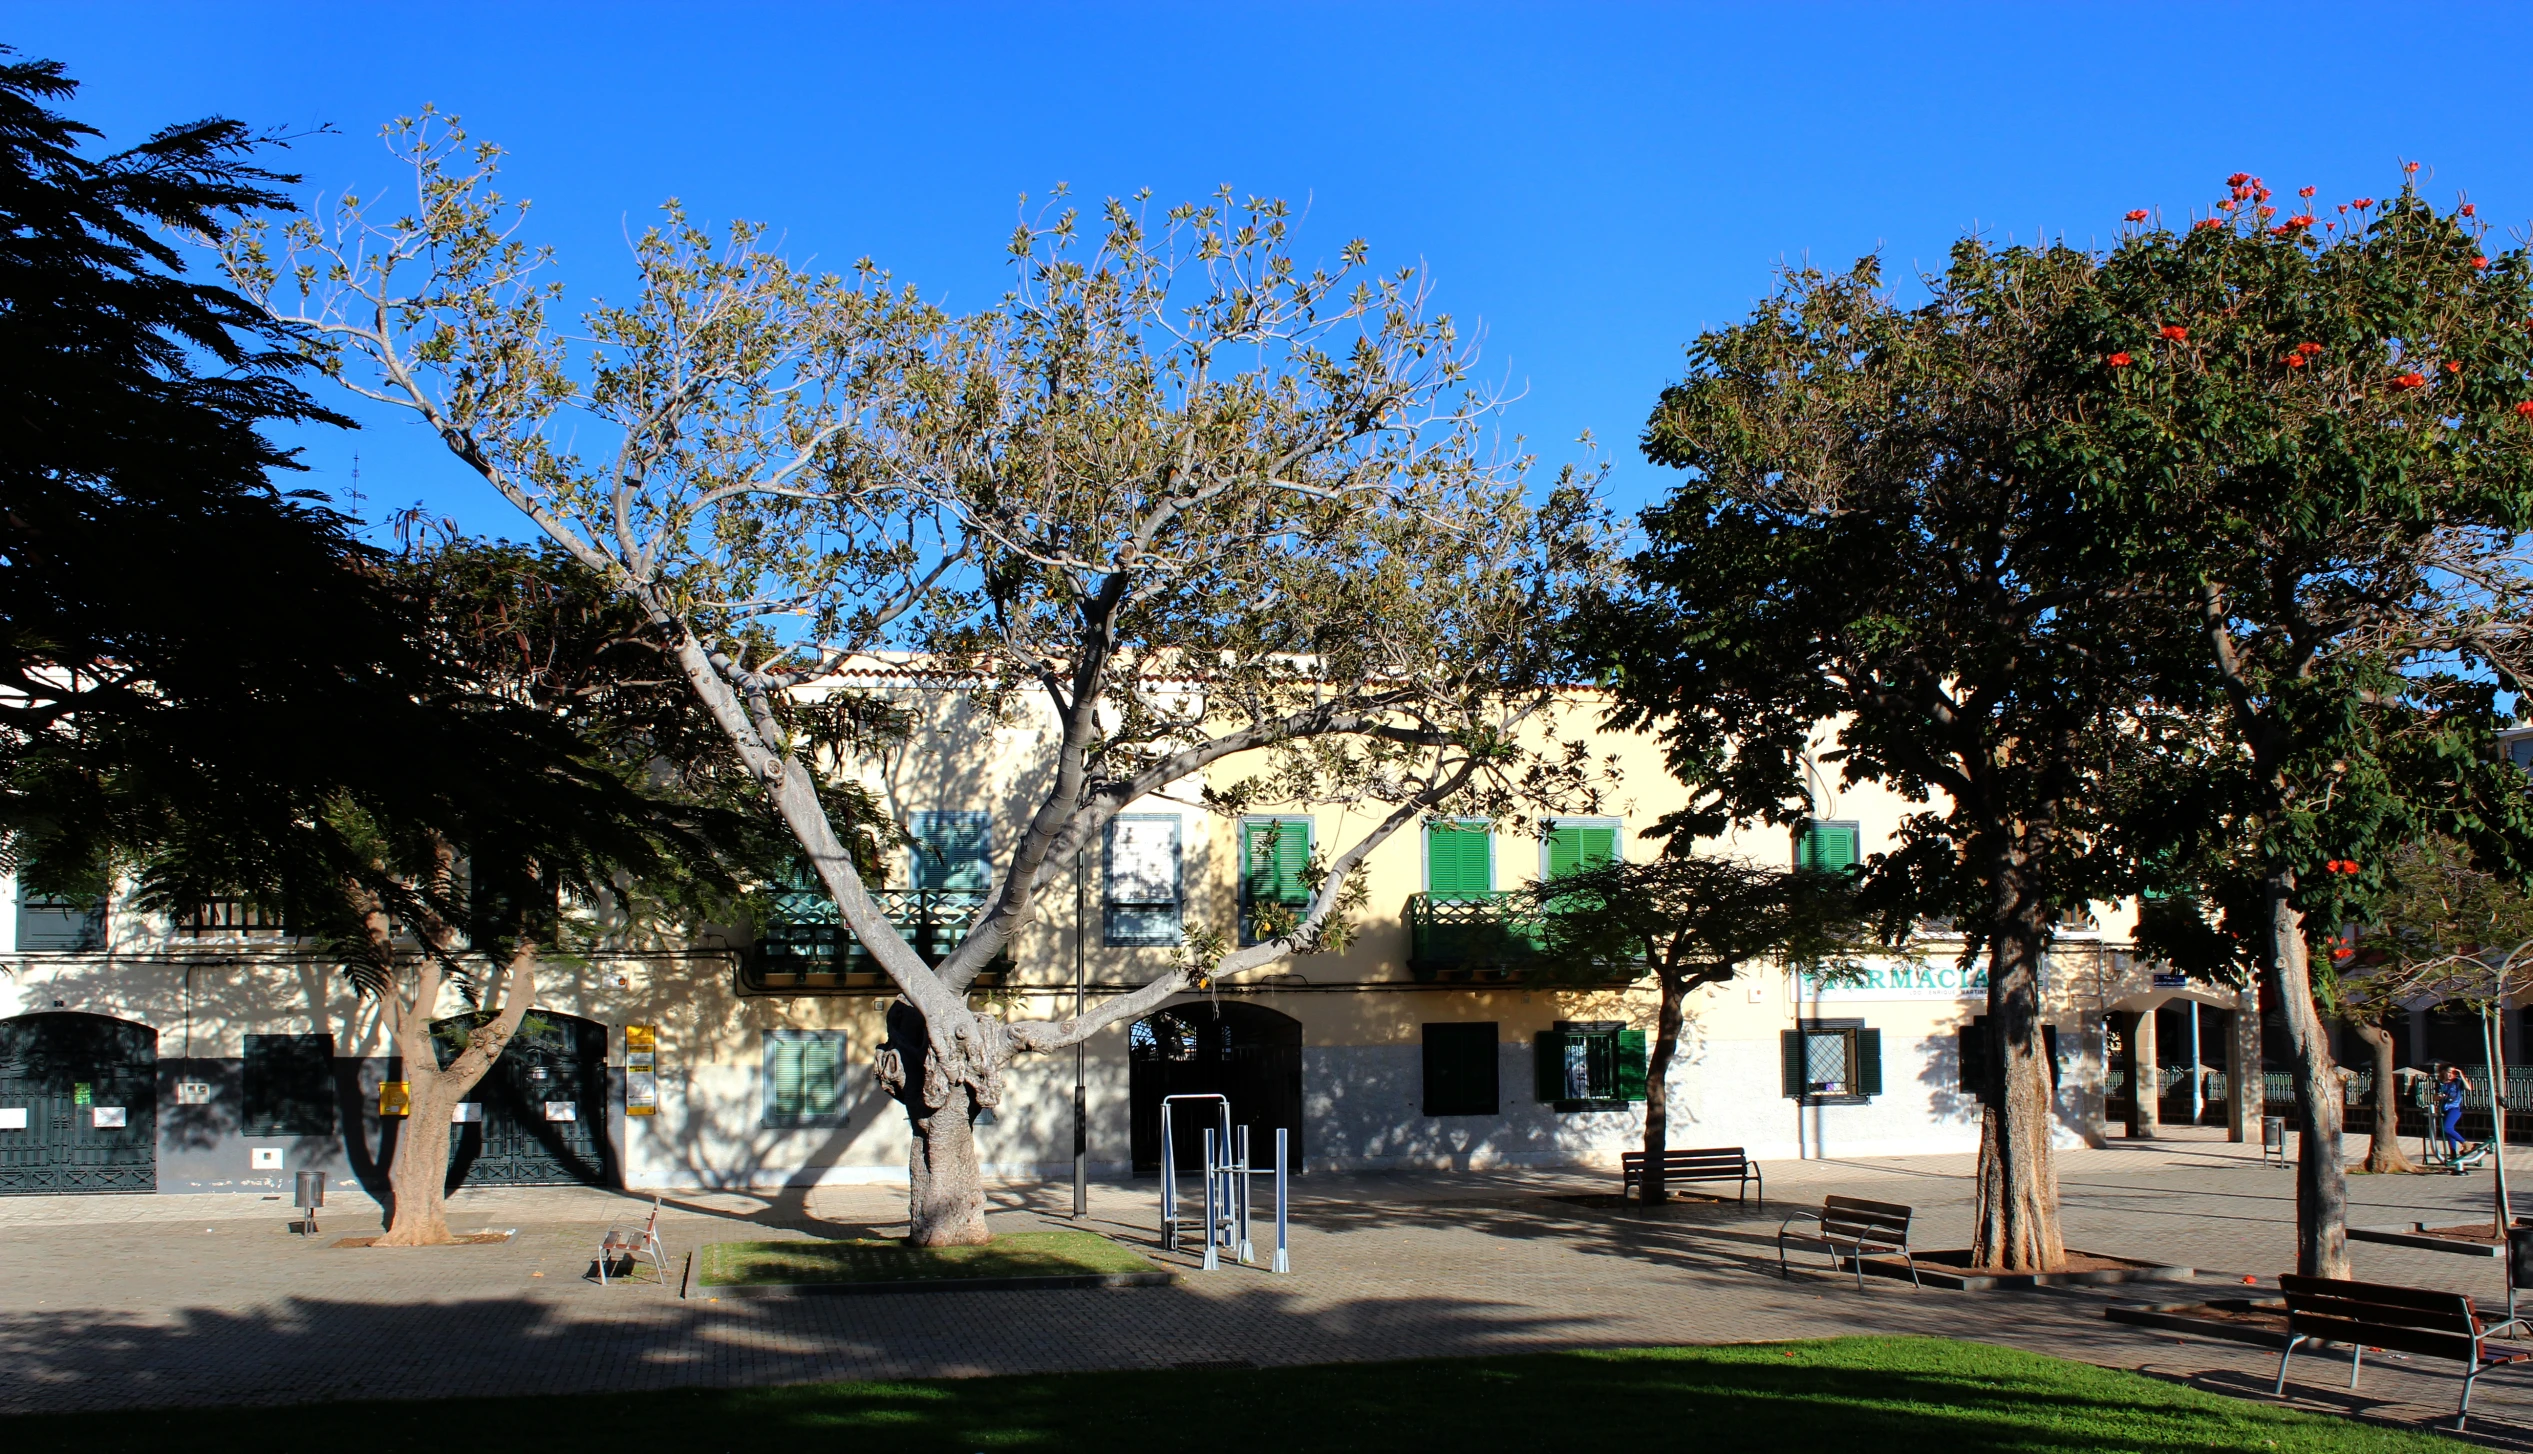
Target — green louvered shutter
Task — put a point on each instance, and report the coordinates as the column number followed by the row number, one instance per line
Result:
column 1631, row 1065
column 1790, row 1051
column 820, row 1062
column 1868, row 1062
column 1273, row 854
column 1830, row 847
column 782, row 1069
column 1459, row 861
column 1576, row 846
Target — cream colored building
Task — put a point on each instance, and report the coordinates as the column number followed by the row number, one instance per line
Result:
column 232, row 1056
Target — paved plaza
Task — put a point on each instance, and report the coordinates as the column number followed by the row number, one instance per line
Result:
column 129, row 1300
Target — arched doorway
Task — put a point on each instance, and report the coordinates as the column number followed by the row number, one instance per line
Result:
column 540, row 1116
column 78, row 1104
column 1246, row 1052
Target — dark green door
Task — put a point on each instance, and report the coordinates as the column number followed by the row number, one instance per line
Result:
column 542, row 1107
column 78, row 1104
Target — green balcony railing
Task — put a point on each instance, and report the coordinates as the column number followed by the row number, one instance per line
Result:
column 1481, row 937
column 804, row 945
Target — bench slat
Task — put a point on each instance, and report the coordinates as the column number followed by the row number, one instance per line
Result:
column 2383, row 1335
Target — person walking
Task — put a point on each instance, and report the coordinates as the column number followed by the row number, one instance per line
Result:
column 2451, row 1087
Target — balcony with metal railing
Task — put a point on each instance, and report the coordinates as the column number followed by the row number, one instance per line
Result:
column 230, row 918
column 804, row 947
column 1498, row 937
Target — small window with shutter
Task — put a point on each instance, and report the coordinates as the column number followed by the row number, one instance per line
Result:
column 804, row 1077
column 1141, row 905
column 1832, row 1062
column 1590, row 1065
column 1576, row 844
column 288, row 1082
column 1829, row 847
column 952, row 850
column 1459, row 860
column 1274, row 881
column 1460, row 1069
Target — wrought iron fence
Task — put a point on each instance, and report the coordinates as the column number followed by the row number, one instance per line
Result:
column 804, row 943
column 229, row 918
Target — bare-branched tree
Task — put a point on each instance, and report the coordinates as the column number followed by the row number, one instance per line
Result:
column 1187, row 497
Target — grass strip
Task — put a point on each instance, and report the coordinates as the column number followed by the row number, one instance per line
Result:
column 1055, row 1253
column 1884, row 1395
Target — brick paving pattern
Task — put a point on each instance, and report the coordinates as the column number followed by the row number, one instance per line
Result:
column 135, row 1300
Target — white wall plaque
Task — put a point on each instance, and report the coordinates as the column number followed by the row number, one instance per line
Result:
column 12, row 1118
column 264, row 1158
column 193, row 1092
column 105, row 1117
column 562, row 1110
column 466, row 1111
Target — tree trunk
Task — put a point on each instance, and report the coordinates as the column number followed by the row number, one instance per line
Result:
column 417, row 1177
column 1652, row 1188
column 2383, row 1149
column 2321, row 1176
column 2016, row 1223
column 945, row 1187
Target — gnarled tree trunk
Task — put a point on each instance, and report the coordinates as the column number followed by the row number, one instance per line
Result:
column 945, row 1202
column 1653, row 1187
column 2321, row 1177
column 2383, row 1148
column 417, row 1177
column 2016, row 1223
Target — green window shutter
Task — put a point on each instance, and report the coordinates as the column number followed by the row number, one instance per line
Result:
column 782, row 1074
column 819, row 1064
column 1790, row 1051
column 1974, row 1059
column 1830, row 847
column 1460, row 1069
column 1868, row 1063
column 1274, row 852
column 1573, row 847
column 1459, row 861
column 1549, row 1065
column 1631, row 1065
column 953, row 850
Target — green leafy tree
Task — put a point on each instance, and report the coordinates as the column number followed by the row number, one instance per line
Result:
column 1185, row 497
column 1694, row 920
column 2313, row 440
column 1882, row 563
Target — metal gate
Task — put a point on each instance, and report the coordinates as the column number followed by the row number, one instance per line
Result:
column 539, row 1116
column 78, row 1104
column 1247, row 1052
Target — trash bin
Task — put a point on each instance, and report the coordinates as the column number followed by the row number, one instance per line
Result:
column 2273, row 1139
column 309, row 1196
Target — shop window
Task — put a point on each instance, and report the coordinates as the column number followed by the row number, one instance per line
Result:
column 289, row 1085
column 1832, row 1062
column 1590, row 1065
column 1460, row 1069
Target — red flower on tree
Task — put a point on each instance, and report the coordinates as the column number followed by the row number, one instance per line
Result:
column 2238, row 179
column 2469, row 209
column 2175, row 332
column 2409, row 381
column 2362, row 203
column 2304, row 191
column 2137, row 216
column 2452, row 367
column 2293, row 360
column 2119, row 360
column 2525, row 408
column 2480, row 262
column 2308, row 348
column 2204, row 223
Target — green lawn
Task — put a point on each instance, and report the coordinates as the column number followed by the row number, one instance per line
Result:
column 1057, row 1253
column 1850, row 1395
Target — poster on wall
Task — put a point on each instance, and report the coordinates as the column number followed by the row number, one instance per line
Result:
column 395, row 1098
column 641, row 1070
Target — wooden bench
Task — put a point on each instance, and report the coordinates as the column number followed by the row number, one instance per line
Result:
column 1853, row 1227
column 2404, row 1319
column 1717, row 1163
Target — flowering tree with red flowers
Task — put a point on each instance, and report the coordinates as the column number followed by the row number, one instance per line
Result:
column 2319, row 463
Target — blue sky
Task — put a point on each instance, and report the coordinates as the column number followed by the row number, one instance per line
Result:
column 1590, row 184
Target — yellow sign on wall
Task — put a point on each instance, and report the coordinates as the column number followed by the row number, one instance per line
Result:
column 641, row 1070
column 395, row 1098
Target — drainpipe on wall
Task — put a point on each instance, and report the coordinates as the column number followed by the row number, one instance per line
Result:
column 1081, row 1097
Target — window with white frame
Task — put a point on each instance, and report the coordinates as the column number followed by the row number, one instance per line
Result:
column 1143, row 880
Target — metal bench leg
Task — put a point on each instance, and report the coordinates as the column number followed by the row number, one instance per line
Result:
column 2464, row 1412
column 1912, row 1262
column 2356, row 1358
column 1781, row 1267
column 2281, row 1390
